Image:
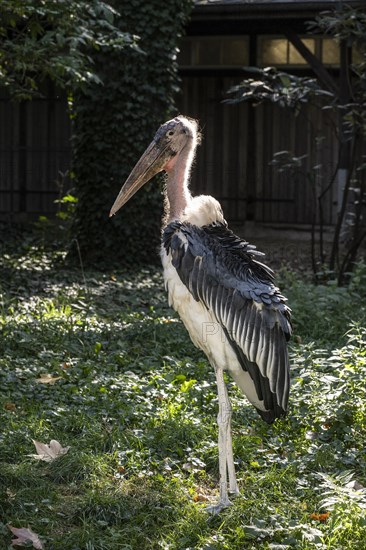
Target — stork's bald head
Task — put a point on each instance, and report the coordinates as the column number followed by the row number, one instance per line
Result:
column 169, row 141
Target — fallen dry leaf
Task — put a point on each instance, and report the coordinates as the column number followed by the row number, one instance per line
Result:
column 10, row 406
column 48, row 379
column 200, row 497
column 320, row 517
column 25, row 535
column 48, row 452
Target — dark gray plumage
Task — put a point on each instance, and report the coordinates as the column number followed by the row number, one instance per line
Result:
column 222, row 271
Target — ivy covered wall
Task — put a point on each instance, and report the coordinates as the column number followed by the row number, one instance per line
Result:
column 112, row 125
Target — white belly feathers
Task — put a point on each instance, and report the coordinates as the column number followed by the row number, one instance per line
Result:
column 205, row 332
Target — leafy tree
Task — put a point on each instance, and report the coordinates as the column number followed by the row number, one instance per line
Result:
column 117, row 61
column 345, row 104
column 114, row 123
column 51, row 39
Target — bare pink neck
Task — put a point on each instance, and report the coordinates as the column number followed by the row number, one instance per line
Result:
column 177, row 191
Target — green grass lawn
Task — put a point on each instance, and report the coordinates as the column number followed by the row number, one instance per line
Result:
column 98, row 362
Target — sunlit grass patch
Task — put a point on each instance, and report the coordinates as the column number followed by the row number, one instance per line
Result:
column 98, row 362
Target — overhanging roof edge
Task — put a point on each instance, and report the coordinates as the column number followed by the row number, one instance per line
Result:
column 287, row 8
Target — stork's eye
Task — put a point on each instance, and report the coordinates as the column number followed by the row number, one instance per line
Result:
column 170, row 133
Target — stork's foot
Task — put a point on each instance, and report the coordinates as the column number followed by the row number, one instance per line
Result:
column 217, row 508
column 223, row 502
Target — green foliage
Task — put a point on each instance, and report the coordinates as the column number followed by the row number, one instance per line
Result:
column 53, row 39
column 344, row 107
column 282, row 88
column 330, row 308
column 114, row 123
column 137, row 404
column 346, row 499
column 344, row 24
column 67, row 205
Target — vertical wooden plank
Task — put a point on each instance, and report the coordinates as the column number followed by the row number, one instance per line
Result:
column 259, row 137
column 244, row 137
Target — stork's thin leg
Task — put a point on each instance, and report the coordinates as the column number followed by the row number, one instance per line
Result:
column 226, row 462
column 233, row 485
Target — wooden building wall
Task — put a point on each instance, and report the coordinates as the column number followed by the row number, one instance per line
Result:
column 221, row 167
column 232, row 164
column 239, row 142
column 34, row 153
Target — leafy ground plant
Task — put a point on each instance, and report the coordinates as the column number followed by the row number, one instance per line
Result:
column 99, row 364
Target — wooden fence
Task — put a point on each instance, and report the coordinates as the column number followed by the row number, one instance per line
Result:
column 233, row 162
column 239, row 143
column 34, row 154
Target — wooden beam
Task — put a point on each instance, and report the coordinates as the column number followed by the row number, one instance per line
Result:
column 325, row 78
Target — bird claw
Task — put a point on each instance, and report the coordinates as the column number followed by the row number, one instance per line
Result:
column 217, row 508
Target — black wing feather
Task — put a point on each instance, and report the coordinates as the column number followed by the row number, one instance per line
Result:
column 223, row 272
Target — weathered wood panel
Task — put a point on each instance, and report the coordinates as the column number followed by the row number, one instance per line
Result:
column 221, row 163
column 288, row 196
column 34, row 153
column 233, row 162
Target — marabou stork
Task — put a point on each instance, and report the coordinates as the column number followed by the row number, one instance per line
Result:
column 225, row 296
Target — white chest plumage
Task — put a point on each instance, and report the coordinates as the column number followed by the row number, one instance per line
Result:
column 205, row 331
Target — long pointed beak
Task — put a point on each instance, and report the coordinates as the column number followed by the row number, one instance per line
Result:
column 152, row 161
